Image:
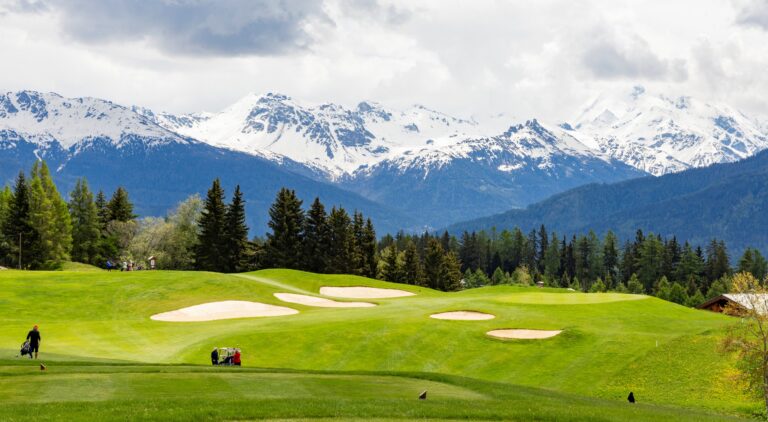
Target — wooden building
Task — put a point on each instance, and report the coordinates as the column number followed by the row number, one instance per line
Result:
column 738, row 301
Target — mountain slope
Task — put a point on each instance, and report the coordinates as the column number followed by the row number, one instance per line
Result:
column 525, row 164
column 117, row 147
column 661, row 135
column 728, row 201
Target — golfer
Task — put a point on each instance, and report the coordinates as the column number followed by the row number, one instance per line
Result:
column 34, row 340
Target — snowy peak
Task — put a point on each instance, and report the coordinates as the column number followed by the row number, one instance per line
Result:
column 48, row 118
column 329, row 137
column 662, row 134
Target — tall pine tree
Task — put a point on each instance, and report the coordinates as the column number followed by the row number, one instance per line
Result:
column 316, row 239
column 120, row 207
column 235, row 234
column 86, row 231
column 286, row 220
column 18, row 231
column 210, row 251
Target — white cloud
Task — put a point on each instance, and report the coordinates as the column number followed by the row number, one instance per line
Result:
column 539, row 59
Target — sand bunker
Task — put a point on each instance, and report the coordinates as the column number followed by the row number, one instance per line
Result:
column 363, row 292
column 223, row 310
column 463, row 316
column 524, row 334
column 320, row 302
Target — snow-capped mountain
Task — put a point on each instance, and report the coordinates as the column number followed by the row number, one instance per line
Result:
column 328, row 137
column 49, row 120
column 112, row 146
column 413, row 162
column 661, row 134
column 526, row 163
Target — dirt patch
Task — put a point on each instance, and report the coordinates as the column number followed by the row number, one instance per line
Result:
column 523, row 334
column 359, row 292
column 227, row 309
column 320, row 302
column 463, row 316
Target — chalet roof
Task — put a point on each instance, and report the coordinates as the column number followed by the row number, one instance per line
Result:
column 745, row 300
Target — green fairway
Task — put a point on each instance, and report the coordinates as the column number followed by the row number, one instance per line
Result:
column 373, row 360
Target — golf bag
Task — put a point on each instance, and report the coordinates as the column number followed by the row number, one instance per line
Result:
column 26, row 349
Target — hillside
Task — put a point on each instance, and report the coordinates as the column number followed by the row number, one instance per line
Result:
column 726, row 201
column 610, row 343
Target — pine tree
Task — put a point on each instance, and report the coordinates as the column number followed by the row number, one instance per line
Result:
column 552, row 259
column 498, row 277
column 316, row 239
column 102, row 209
column 235, row 234
column 19, row 234
column 120, row 207
column 611, row 255
column 368, row 249
column 433, row 261
column 635, row 286
column 341, row 241
column 598, row 286
column 390, row 267
column 209, row 253
column 285, row 242
column 752, row 261
column 677, row 294
column 358, row 228
column 86, row 231
column 50, row 218
column 718, row 264
column 412, row 269
column 450, row 271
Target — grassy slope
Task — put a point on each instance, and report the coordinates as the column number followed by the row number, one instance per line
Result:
column 608, row 348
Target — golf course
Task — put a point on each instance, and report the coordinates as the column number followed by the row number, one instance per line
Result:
column 139, row 344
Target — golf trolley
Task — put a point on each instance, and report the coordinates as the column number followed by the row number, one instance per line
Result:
column 226, row 356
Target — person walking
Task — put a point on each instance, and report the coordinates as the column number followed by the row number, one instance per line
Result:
column 34, row 340
column 236, row 358
column 215, row 356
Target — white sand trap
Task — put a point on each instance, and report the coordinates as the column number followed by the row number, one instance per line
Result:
column 524, row 334
column 227, row 309
column 463, row 316
column 363, row 292
column 320, row 302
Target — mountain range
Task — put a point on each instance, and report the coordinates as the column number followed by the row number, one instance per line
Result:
column 727, row 201
column 408, row 169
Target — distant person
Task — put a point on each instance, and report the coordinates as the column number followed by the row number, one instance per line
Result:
column 34, row 340
column 215, row 356
column 125, row 266
column 236, row 358
column 109, row 265
column 631, row 397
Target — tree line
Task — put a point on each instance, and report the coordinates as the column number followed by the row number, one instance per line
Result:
column 648, row 264
column 40, row 230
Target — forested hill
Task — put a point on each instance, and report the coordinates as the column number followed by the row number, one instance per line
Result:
column 726, row 201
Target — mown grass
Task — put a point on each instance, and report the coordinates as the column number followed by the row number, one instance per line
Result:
column 611, row 344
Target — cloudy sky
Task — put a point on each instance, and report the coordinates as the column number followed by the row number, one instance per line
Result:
column 470, row 58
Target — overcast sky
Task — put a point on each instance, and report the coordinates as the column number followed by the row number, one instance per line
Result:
column 526, row 59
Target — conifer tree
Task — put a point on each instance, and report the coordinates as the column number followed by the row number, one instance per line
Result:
column 368, row 249
column 209, row 253
column 610, row 255
column 752, row 261
column 677, row 294
column 285, row 242
column 635, row 286
column 412, row 269
column 358, row 259
column 451, row 271
column 390, row 267
column 120, row 207
column 498, row 277
column 18, row 231
column 433, row 261
column 102, row 210
column 316, row 239
column 50, row 218
column 235, row 234
column 341, row 241
column 86, row 232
